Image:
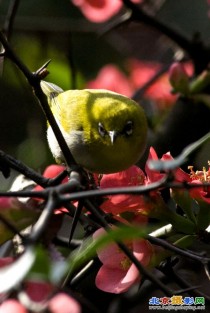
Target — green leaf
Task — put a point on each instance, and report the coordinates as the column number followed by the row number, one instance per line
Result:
column 46, row 269
column 186, row 203
column 42, row 265
column 203, row 217
column 21, row 217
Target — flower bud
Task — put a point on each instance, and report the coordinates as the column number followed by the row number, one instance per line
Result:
column 178, row 78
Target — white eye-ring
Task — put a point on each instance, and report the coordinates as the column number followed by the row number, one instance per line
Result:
column 101, row 130
column 128, row 129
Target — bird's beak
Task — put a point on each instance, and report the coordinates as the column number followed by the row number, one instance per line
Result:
column 112, row 135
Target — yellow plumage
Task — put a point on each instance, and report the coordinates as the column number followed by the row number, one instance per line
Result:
column 105, row 131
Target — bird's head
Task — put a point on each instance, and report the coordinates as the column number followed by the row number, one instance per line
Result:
column 116, row 120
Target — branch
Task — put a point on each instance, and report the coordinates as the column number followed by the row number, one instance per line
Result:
column 44, row 219
column 168, row 270
column 8, row 25
column 177, row 250
column 7, row 162
column 34, row 81
column 195, row 48
column 137, row 96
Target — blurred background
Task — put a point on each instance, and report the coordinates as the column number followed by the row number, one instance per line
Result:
column 122, row 56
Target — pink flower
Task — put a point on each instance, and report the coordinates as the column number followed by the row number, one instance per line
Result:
column 9, row 202
column 194, row 177
column 6, row 261
column 38, row 291
column 52, row 171
column 142, row 71
column 12, row 306
column 111, row 78
column 137, row 204
column 159, row 91
column 99, row 10
column 16, row 212
column 198, row 177
column 118, row 273
column 62, row 303
column 153, row 176
column 59, row 303
column 117, row 204
column 180, row 175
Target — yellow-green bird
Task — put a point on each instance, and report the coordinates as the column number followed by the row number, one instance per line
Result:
column 105, row 131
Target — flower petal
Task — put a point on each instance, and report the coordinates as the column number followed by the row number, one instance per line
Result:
column 11, row 305
column 64, row 303
column 117, row 204
column 152, row 176
column 113, row 281
column 110, row 250
column 143, row 251
column 180, row 175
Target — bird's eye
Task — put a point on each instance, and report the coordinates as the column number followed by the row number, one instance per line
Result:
column 101, row 130
column 128, row 129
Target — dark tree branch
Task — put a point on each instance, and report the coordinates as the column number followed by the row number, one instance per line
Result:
column 168, row 270
column 195, row 48
column 7, row 162
column 177, row 250
column 44, row 219
column 137, row 96
column 8, row 25
column 34, row 81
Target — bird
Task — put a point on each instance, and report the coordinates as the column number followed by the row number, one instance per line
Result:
column 106, row 132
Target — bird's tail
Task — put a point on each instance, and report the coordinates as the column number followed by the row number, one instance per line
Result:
column 50, row 90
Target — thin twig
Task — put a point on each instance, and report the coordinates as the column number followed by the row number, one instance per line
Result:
column 140, row 92
column 114, row 191
column 8, row 25
column 44, row 219
column 195, row 49
column 134, row 190
column 34, row 81
column 10, row 162
column 177, row 250
column 71, row 191
column 168, row 270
